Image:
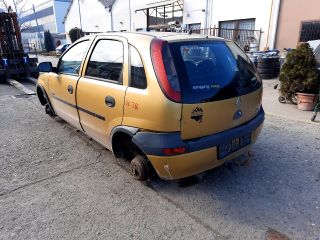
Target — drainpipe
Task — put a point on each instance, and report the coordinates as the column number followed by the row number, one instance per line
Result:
column 130, row 15
column 80, row 20
column 206, row 14
column 111, row 18
column 277, row 8
column 269, row 25
column 275, row 30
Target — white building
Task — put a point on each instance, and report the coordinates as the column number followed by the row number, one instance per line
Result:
column 88, row 15
column 131, row 15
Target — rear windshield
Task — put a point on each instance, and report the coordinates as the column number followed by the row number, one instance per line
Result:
column 212, row 70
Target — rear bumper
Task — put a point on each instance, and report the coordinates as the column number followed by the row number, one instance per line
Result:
column 201, row 153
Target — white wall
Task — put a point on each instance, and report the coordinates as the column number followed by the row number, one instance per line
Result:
column 224, row 10
column 95, row 18
column 194, row 12
column 121, row 13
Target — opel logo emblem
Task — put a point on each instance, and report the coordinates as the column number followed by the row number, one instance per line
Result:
column 237, row 115
column 238, row 102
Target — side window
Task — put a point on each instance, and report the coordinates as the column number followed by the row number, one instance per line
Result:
column 138, row 76
column 106, row 61
column 70, row 63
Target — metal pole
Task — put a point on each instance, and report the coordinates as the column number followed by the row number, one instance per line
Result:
column 148, row 20
column 35, row 16
column 130, row 14
column 164, row 15
column 80, row 15
column 111, row 18
column 15, row 6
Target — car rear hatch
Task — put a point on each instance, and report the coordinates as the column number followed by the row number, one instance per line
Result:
column 214, row 80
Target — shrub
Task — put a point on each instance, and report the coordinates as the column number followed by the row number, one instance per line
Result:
column 75, row 34
column 299, row 72
column 48, row 41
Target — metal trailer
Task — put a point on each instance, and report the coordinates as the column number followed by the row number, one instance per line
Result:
column 14, row 62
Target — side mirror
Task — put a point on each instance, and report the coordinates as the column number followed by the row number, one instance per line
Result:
column 46, row 67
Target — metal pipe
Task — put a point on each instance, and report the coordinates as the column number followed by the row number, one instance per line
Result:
column 275, row 34
column 206, row 15
column 111, row 18
column 130, row 15
column 35, row 16
column 271, row 10
column 80, row 15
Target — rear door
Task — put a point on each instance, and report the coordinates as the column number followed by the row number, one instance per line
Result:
column 219, row 87
column 101, row 89
column 62, row 85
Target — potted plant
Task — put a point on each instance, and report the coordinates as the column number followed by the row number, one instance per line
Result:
column 299, row 76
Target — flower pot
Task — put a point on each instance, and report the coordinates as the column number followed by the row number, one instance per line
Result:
column 306, row 101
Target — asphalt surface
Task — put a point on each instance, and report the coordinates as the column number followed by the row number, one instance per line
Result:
column 57, row 183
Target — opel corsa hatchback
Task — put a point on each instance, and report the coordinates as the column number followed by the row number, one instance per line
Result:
column 176, row 103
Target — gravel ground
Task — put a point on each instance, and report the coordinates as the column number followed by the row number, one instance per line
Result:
column 57, row 183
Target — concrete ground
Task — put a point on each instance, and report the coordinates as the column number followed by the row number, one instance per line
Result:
column 57, row 183
column 273, row 107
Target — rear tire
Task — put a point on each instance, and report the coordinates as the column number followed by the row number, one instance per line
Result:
column 49, row 111
column 265, row 65
column 282, row 99
column 265, row 60
column 265, row 70
column 266, row 75
column 140, row 168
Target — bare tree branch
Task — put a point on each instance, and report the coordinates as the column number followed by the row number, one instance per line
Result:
column 21, row 5
column 4, row 3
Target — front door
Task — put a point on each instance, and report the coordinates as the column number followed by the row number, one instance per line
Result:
column 63, row 85
column 101, row 90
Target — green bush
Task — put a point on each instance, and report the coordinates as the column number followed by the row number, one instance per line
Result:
column 48, row 41
column 299, row 72
column 75, row 34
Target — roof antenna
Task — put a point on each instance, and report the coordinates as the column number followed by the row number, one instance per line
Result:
column 190, row 31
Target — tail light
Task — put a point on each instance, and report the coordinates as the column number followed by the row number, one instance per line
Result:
column 174, row 151
column 165, row 69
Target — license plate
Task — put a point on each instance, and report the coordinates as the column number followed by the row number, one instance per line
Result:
column 234, row 145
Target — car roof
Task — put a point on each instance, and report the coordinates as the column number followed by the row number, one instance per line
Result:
column 169, row 36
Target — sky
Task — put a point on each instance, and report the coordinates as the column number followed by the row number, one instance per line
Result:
column 27, row 6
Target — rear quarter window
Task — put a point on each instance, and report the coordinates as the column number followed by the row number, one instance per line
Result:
column 137, row 74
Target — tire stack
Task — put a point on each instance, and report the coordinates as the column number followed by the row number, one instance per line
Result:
column 268, row 67
column 277, row 66
column 254, row 59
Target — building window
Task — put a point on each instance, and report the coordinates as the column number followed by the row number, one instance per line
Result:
column 247, row 24
column 242, row 31
column 195, row 27
column 310, row 30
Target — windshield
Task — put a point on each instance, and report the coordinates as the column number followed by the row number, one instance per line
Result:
column 211, row 70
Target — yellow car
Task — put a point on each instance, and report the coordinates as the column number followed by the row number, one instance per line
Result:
column 180, row 104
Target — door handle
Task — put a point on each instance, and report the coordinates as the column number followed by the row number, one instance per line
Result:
column 70, row 89
column 110, row 101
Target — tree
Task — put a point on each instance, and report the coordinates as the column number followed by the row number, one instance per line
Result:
column 48, row 41
column 75, row 34
column 299, row 72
